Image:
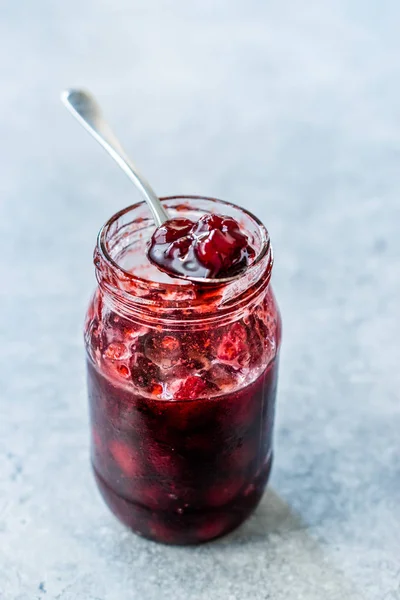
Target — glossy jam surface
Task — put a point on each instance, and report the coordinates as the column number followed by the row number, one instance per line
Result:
column 213, row 247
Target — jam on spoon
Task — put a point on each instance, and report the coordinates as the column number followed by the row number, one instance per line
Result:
column 213, row 247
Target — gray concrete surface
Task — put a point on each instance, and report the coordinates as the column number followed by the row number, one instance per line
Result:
column 293, row 110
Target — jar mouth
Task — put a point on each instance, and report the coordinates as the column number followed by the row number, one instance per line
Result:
column 115, row 232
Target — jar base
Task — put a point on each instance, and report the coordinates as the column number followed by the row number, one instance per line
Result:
column 191, row 527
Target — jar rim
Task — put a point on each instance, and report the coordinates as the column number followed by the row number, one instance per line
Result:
column 102, row 236
column 133, row 294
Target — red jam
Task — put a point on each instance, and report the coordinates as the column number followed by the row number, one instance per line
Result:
column 182, row 392
column 214, row 247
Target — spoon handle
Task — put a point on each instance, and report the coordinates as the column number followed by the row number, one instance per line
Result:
column 85, row 109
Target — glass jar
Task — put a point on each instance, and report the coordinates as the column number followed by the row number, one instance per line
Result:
column 182, row 382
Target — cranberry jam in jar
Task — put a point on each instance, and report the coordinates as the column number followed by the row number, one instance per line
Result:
column 182, row 381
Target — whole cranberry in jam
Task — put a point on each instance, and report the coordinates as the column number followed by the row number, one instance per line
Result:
column 214, row 247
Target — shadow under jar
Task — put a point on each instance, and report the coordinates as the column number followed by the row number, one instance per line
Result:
column 182, row 382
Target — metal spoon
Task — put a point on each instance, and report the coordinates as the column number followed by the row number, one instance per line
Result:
column 85, row 109
column 87, row 112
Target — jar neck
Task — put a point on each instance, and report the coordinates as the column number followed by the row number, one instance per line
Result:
column 173, row 301
column 197, row 305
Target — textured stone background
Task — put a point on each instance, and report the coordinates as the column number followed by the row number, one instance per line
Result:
column 293, row 110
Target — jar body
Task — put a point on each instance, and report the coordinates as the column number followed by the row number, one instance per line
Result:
column 182, row 415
